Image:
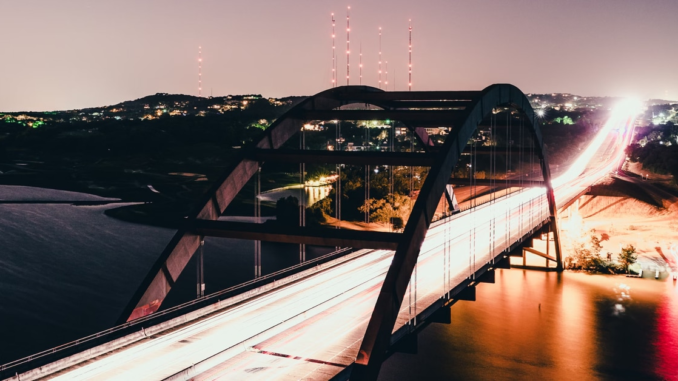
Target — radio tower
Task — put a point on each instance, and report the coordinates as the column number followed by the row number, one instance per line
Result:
column 380, row 57
column 334, row 59
column 348, row 44
column 386, row 75
column 200, row 71
column 361, row 63
column 410, row 67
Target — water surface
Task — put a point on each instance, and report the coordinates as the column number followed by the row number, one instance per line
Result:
column 67, row 271
column 548, row 326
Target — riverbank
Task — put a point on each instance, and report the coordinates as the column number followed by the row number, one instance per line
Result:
column 624, row 210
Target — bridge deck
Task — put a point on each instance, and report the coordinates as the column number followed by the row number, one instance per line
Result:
column 322, row 346
column 312, row 328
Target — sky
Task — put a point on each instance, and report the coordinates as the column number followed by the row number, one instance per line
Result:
column 66, row 54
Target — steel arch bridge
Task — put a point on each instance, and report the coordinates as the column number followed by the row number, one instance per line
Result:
column 462, row 111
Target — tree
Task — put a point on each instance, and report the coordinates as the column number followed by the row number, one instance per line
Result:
column 384, row 210
column 627, row 257
column 587, row 257
column 397, row 223
column 596, row 247
column 287, row 211
column 317, row 213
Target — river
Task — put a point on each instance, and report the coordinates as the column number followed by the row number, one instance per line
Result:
column 67, row 271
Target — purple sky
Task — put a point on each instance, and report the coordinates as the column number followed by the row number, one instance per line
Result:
column 74, row 53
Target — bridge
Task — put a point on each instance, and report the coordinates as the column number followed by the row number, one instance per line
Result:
column 339, row 315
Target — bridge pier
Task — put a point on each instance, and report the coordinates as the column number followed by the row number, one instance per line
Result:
column 442, row 316
column 468, row 294
column 488, row 277
column 544, row 237
column 408, row 344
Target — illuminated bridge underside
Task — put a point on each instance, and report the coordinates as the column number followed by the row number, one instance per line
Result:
column 342, row 317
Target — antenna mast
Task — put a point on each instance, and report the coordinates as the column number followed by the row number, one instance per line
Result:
column 361, row 63
column 348, row 44
column 380, row 57
column 410, row 67
column 386, row 75
column 334, row 59
column 200, row 71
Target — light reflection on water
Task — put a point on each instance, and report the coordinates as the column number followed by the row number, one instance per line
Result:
column 536, row 325
column 312, row 194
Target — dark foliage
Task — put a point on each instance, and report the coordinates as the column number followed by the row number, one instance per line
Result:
column 656, row 157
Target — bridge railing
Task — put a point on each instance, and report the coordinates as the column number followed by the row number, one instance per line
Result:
column 455, row 249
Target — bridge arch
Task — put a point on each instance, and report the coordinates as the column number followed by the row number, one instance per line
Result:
column 462, row 110
column 170, row 264
column 377, row 337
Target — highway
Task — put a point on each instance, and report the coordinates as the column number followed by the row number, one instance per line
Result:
column 311, row 328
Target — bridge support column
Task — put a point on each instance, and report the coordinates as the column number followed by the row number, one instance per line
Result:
column 442, row 316
column 408, row 344
column 302, row 195
column 469, row 294
column 553, row 211
column 556, row 242
column 257, row 217
column 200, row 269
column 487, row 277
column 548, row 247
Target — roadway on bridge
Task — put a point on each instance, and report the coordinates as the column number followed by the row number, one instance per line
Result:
column 312, row 328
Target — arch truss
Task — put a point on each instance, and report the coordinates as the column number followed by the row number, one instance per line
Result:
column 462, row 111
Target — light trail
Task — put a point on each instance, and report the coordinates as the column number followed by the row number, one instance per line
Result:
column 314, row 325
column 627, row 109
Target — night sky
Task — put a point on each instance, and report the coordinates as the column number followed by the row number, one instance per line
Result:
column 74, row 53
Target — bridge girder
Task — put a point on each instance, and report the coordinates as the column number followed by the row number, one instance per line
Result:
column 462, row 110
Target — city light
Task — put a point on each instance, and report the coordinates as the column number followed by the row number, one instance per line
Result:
column 321, row 181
